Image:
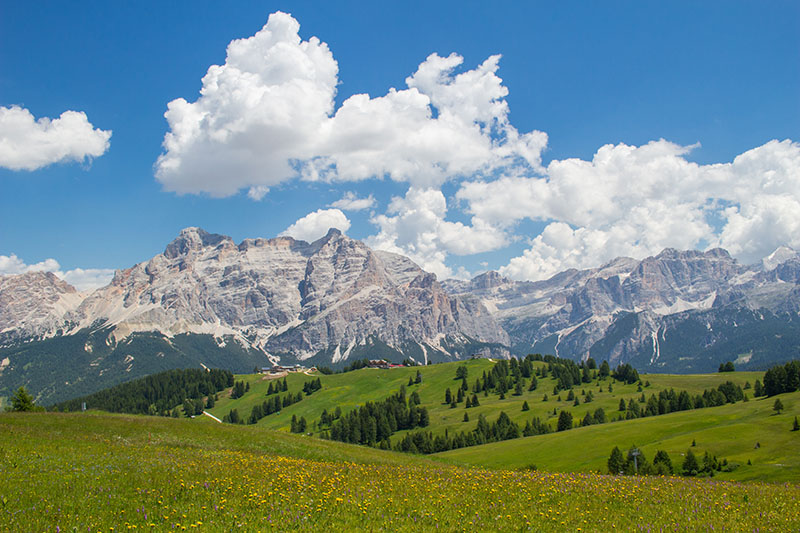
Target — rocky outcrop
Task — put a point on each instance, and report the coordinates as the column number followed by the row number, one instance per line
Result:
column 627, row 310
column 33, row 305
column 285, row 297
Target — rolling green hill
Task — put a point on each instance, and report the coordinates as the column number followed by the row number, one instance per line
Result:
column 103, row 472
column 730, row 431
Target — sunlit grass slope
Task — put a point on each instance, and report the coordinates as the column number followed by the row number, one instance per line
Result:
column 351, row 389
column 95, row 472
column 731, row 431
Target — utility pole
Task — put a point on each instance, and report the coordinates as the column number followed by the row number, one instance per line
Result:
column 636, row 453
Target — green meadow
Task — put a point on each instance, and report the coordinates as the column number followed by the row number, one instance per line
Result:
column 746, row 431
column 102, row 472
column 730, row 431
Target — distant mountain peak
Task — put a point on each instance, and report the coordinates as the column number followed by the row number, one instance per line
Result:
column 192, row 238
column 779, row 256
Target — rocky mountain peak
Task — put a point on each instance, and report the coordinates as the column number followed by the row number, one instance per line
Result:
column 192, row 239
column 34, row 303
column 489, row 280
column 781, row 255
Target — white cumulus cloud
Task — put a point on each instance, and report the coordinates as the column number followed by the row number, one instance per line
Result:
column 30, row 144
column 415, row 226
column 636, row 201
column 315, row 225
column 267, row 116
column 350, row 201
column 80, row 278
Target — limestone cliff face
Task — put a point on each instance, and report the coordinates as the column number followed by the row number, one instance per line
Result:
column 34, row 305
column 336, row 297
column 627, row 310
column 279, row 295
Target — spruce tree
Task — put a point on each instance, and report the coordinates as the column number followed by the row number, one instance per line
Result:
column 690, row 466
column 22, row 401
column 448, row 396
column 564, row 421
column 466, row 417
column 616, row 462
column 777, row 406
column 795, row 426
column 662, row 463
column 525, row 406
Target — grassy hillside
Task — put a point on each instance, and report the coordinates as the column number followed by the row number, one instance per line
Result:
column 92, row 472
column 730, row 431
column 355, row 388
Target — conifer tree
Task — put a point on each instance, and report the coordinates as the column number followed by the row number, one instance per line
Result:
column 616, row 462
column 22, row 401
column 777, row 406
column 795, row 426
column 525, row 406
column 690, row 466
column 564, row 421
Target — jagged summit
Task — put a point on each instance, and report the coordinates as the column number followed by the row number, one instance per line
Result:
column 286, row 297
column 335, row 298
column 781, row 255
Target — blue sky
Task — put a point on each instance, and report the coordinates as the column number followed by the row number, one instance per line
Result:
column 604, row 129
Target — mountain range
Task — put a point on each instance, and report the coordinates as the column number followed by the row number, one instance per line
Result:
column 209, row 301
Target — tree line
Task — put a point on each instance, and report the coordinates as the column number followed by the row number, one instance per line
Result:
column 780, row 379
column 274, row 402
column 635, row 463
column 373, row 423
column 157, row 394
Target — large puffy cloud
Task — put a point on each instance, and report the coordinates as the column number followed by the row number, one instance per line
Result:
column 415, row 226
column 80, row 278
column 256, row 114
column 267, row 116
column 30, row 144
column 315, row 225
column 636, row 201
